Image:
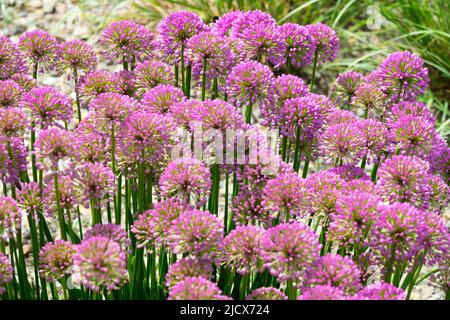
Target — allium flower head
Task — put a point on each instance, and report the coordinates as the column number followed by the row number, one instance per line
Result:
column 413, row 108
column 222, row 26
column 12, row 60
column 29, row 198
column 266, row 293
column 323, row 292
column 440, row 193
column 371, row 97
column 95, row 83
column 339, row 116
column 242, row 249
column 380, row 291
column 76, row 56
column 346, row 85
column 188, row 267
column 13, row 156
column 186, row 112
column 187, row 179
column 342, row 143
column 405, row 179
column 40, row 48
column 93, row 146
column 197, row 233
column 10, row 217
column 112, row 108
column 152, row 226
column 196, row 288
column 100, row 263
column 25, row 81
column 290, row 250
column 220, row 115
column 54, row 145
column 95, row 182
column 376, row 137
column 13, row 122
column 299, row 44
column 336, row 271
column 56, row 259
column 127, row 41
column 6, row 272
column 323, row 188
column 325, row 40
column 69, row 197
column 404, row 75
column 47, row 106
column 125, row 83
column 176, row 29
column 160, row 98
column 111, row 231
column 250, row 82
column 149, row 74
column 10, row 94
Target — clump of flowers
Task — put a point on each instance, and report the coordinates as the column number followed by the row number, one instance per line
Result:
column 76, row 56
column 10, row 217
column 6, row 272
column 56, row 259
column 40, row 48
column 188, row 267
column 196, row 288
column 12, row 60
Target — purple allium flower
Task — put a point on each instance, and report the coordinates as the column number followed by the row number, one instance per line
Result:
column 210, row 49
column 112, row 109
column 339, row 117
column 12, row 60
column 111, row 231
column 95, row 182
column 40, row 48
column 92, row 147
column 146, row 137
column 100, row 263
column 325, row 40
column 250, row 83
column 220, row 115
column 300, row 116
column 13, row 122
column 405, row 179
column 149, row 74
column 284, row 87
column 299, row 44
column 413, row 108
column 242, row 249
column 10, row 217
column 188, row 267
column 323, row 292
column 56, row 259
column 54, row 145
column 68, row 195
column 336, row 271
column 376, row 137
column 186, row 112
column 323, row 188
column 380, row 291
column 370, row 97
column 160, row 98
column 350, row 172
column 197, row 233
column 95, row 83
column 47, row 106
column 152, row 226
column 346, row 85
column 404, row 75
column 196, row 288
column 342, row 143
column 125, row 83
column 175, row 30
column 440, row 193
column 76, row 56
column 248, row 209
column 440, row 159
column 25, row 81
column 13, row 156
column 6, row 272
column 289, row 250
column 223, row 25
column 10, row 94
column 127, row 41
column 187, row 179
column 29, row 198
column 412, row 135
column 286, row 196
column 266, row 293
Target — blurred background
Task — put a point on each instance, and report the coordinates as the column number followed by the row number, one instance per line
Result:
column 368, row 30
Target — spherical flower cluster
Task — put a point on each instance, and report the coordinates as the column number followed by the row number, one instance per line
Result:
column 219, row 115
column 152, row 226
column 413, row 108
column 25, row 81
column 127, row 41
column 13, row 122
column 188, row 267
column 160, row 98
column 40, row 48
column 325, row 40
column 10, row 94
column 324, row 187
column 380, row 291
column 13, row 156
column 299, row 44
column 242, row 249
column 10, row 217
column 29, row 198
column 92, row 146
column 56, row 259
column 76, row 56
column 112, row 109
column 111, row 231
column 12, row 60
column 346, row 85
column 323, row 292
column 266, row 293
column 187, row 179
column 100, row 263
column 195, row 232
column 195, row 288
column 222, row 26
column 376, row 136
column 290, row 250
column 370, row 97
column 125, row 83
column 149, row 74
column 6, row 272
column 68, row 195
column 95, row 83
column 47, row 106
column 186, row 112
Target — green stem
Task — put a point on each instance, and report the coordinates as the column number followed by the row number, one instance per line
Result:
column 305, row 169
column 205, row 62
column 58, row 208
column 311, row 86
column 248, row 113
column 77, row 94
column 296, row 164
